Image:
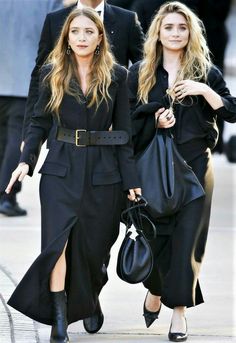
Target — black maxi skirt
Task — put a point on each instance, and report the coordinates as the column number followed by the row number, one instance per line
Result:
column 178, row 255
column 86, row 216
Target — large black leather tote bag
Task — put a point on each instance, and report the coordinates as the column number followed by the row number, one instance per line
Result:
column 168, row 182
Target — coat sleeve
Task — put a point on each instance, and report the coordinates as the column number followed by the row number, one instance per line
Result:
column 139, row 8
column 217, row 83
column 121, row 121
column 45, row 47
column 133, row 86
column 142, row 115
column 40, row 124
column 136, row 39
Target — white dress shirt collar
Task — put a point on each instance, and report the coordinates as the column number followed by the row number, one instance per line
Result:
column 100, row 8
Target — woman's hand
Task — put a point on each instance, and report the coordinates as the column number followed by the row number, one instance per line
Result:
column 133, row 193
column 165, row 117
column 189, row 87
column 18, row 174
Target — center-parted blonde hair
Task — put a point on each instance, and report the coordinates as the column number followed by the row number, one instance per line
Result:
column 195, row 61
column 64, row 66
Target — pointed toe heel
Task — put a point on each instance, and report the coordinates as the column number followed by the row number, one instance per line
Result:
column 149, row 316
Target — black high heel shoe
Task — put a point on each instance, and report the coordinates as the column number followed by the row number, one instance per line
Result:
column 178, row 336
column 149, row 316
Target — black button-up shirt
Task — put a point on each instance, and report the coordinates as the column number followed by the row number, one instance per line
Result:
column 195, row 129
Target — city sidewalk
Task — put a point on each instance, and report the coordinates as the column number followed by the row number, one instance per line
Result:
column 122, row 303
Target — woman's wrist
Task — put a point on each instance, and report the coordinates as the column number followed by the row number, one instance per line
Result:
column 205, row 90
column 213, row 98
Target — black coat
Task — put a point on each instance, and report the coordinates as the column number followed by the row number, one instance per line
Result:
column 74, row 115
column 124, row 33
column 81, row 198
column 122, row 3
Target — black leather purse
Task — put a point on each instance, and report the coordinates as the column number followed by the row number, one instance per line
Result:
column 167, row 181
column 135, row 259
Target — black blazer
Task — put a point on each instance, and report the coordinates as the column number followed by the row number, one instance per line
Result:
column 121, row 3
column 109, row 164
column 124, row 33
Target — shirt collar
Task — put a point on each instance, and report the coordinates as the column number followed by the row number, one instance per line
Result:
column 100, row 8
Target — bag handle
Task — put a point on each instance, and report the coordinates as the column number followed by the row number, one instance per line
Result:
column 165, row 138
column 141, row 202
column 135, row 217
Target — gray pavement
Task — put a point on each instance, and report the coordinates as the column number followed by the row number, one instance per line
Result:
column 214, row 321
column 122, row 303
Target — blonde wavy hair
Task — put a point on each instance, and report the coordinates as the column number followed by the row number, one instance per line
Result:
column 64, row 66
column 195, row 61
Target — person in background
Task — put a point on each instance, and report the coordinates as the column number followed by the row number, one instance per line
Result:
column 14, row 84
column 67, row 3
column 177, row 87
column 214, row 15
column 123, row 30
column 146, row 10
column 82, row 92
column 127, row 4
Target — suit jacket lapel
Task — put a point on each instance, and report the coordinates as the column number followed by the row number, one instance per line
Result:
column 109, row 20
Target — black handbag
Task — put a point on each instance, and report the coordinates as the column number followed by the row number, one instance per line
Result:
column 167, row 181
column 135, row 259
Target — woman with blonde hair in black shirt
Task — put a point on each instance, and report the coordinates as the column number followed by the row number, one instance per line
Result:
column 177, row 84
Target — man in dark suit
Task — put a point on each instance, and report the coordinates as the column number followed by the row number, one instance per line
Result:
column 122, row 3
column 126, row 38
column 123, row 30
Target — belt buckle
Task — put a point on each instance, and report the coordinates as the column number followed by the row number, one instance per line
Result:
column 77, row 137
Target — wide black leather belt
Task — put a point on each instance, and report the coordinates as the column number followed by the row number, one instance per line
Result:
column 82, row 138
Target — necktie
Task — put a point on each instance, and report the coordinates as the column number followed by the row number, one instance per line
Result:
column 99, row 13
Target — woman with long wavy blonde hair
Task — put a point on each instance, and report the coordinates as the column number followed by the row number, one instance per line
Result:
column 195, row 61
column 176, row 87
column 83, row 94
column 64, row 67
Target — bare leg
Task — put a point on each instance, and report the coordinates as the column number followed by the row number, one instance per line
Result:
column 151, row 308
column 57, row 280
column 178, row 322
column 153, row 302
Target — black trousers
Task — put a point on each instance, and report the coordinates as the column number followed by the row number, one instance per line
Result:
column 12, row 111
column 178, row 256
